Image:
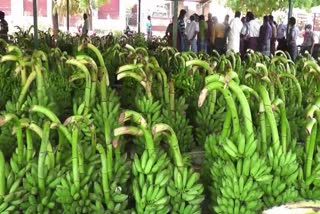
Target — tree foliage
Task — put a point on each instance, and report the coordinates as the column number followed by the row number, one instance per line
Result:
column 264, row 7
column 77, row 6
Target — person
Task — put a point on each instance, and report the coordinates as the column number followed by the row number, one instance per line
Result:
column 274, row 35
column 252, row 32
column 226, row 24
column 149, row 29
column 169, row 33
column 3, row 27
column 243, row 38
column 292, row 38
column 281, row 37
column 203, row 27
column 191, row 33
column 265, row 36
column 85, row 27
column 234, row 33
column 181, row 31
column 218, row 39
column 308, row 39
column 209, row 32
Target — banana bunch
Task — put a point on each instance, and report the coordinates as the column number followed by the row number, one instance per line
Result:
column 150, row 110
column 285, row 169
column 310, row 187
column 238, row 195
column 37, row 203
column 185, row 191
column 151, row 175
column 74, row 200
column 207, row 122
column 14, row 193
column 117, row 204
column 180, row 124
column 237, row 174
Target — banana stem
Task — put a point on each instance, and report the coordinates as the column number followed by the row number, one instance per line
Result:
column 235, row 88
column 75, row 159
column 40, row 84
column 2, row 175
column 107, row 135
column 88, row 88
column 263, row 128
column 310, row 145
column 171, row 89
column 42, row 157
column 173, row 141
column 283, row 118
column 226, row 125
column 29, row 145
column 270, row 116
column 166, row 88
column 25, row 89
column 81, row 159
column 230, row 102
column 104, row 173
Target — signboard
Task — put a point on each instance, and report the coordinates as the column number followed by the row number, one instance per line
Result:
column 5, row 6
column 110, row 10
column 28, row 8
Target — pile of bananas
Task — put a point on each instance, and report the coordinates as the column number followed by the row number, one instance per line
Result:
column 285, row 171
column 237, row 174
column 151, row 175
column 186, row 191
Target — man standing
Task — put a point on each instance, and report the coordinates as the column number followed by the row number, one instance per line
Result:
column 85, row 27
column 191, row 32
column 209, row 32
column 181, row 31
column 3, row 27
column 149, row 29
column 218, row 39
column 265, row 36
column 274, row 35
column 292, row 38
column 234, row 33
column 203, row 27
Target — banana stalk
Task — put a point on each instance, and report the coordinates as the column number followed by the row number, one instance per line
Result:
column 228, row 97
column 2, row 175
column 42, row 156
column 311, row 129
column 88, row 89
column 104, row 173
column 270, row 116
column 75, row 158
column 173, row 141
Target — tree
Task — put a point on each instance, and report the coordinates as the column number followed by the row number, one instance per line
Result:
column 265, row 7
column 76, row 7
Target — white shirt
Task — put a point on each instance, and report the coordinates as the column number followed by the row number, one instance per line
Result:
column 234, row 34
column 254, row 28
column 192, row 29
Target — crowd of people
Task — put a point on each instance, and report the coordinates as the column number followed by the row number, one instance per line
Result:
column 238, row 34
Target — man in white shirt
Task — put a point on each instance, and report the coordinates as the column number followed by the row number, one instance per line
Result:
column 191, row 33
column 253, row 32
column 234, row 33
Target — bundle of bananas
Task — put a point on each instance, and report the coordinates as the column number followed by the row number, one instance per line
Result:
column 12, row 194
column 186, row 191
column 151, row 175
column 285, row 171
column 36, row 202
column 237, row 173
column 178, row 120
